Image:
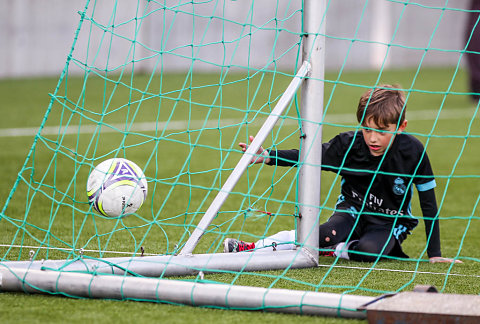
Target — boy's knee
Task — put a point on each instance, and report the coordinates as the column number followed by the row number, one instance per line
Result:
column 368, row 247
column 328, row 237
column 369, row 251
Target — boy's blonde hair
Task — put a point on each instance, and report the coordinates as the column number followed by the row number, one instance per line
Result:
column 386, row 105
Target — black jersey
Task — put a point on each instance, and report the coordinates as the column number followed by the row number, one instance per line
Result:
column 380, row 187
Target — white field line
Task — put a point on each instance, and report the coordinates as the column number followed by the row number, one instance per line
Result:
column 128, row 253
column 464, row 113
column 398, row 270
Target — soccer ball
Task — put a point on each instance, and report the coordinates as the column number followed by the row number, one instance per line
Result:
column 117, row 187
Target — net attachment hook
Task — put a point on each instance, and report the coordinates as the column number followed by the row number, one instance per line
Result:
column 274, row 246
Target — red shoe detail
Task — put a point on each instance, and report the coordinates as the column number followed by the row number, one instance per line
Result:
column 233, row 245
column 244, row 246
column 326, row 253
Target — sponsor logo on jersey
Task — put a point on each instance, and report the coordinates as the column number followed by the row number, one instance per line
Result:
column 399, row 186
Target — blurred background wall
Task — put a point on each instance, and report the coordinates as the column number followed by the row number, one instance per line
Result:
column 36, row 36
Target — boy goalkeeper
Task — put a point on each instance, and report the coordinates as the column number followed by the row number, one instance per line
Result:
column 379, row 165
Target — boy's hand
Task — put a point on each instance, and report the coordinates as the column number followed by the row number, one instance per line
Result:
column 443, row 260
column 262, row 155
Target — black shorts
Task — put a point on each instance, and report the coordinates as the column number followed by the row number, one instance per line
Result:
column 371, row 238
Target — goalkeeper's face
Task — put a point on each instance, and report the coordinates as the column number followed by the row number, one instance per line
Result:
column 379, row 138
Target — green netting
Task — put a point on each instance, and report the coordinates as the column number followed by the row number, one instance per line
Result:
column 174, row 86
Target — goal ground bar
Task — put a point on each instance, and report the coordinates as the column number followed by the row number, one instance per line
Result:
column 74, row 284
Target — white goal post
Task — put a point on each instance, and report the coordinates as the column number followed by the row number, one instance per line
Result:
column 313, row 55
column 309, row 76
column 104, row 278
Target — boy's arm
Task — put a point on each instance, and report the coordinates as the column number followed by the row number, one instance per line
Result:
column 260, row 157
column 280, row 158
column 428, row 205
column 332, row 153
column 283, row 157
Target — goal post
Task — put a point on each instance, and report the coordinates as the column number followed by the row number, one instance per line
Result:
column 309, row 175
column 246, row 158
column 309, row 76
column 313, row 55
column 39, row 274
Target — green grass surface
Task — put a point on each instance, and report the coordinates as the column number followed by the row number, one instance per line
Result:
column 452, row 142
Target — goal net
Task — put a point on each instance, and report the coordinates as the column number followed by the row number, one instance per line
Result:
column 174, row 86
